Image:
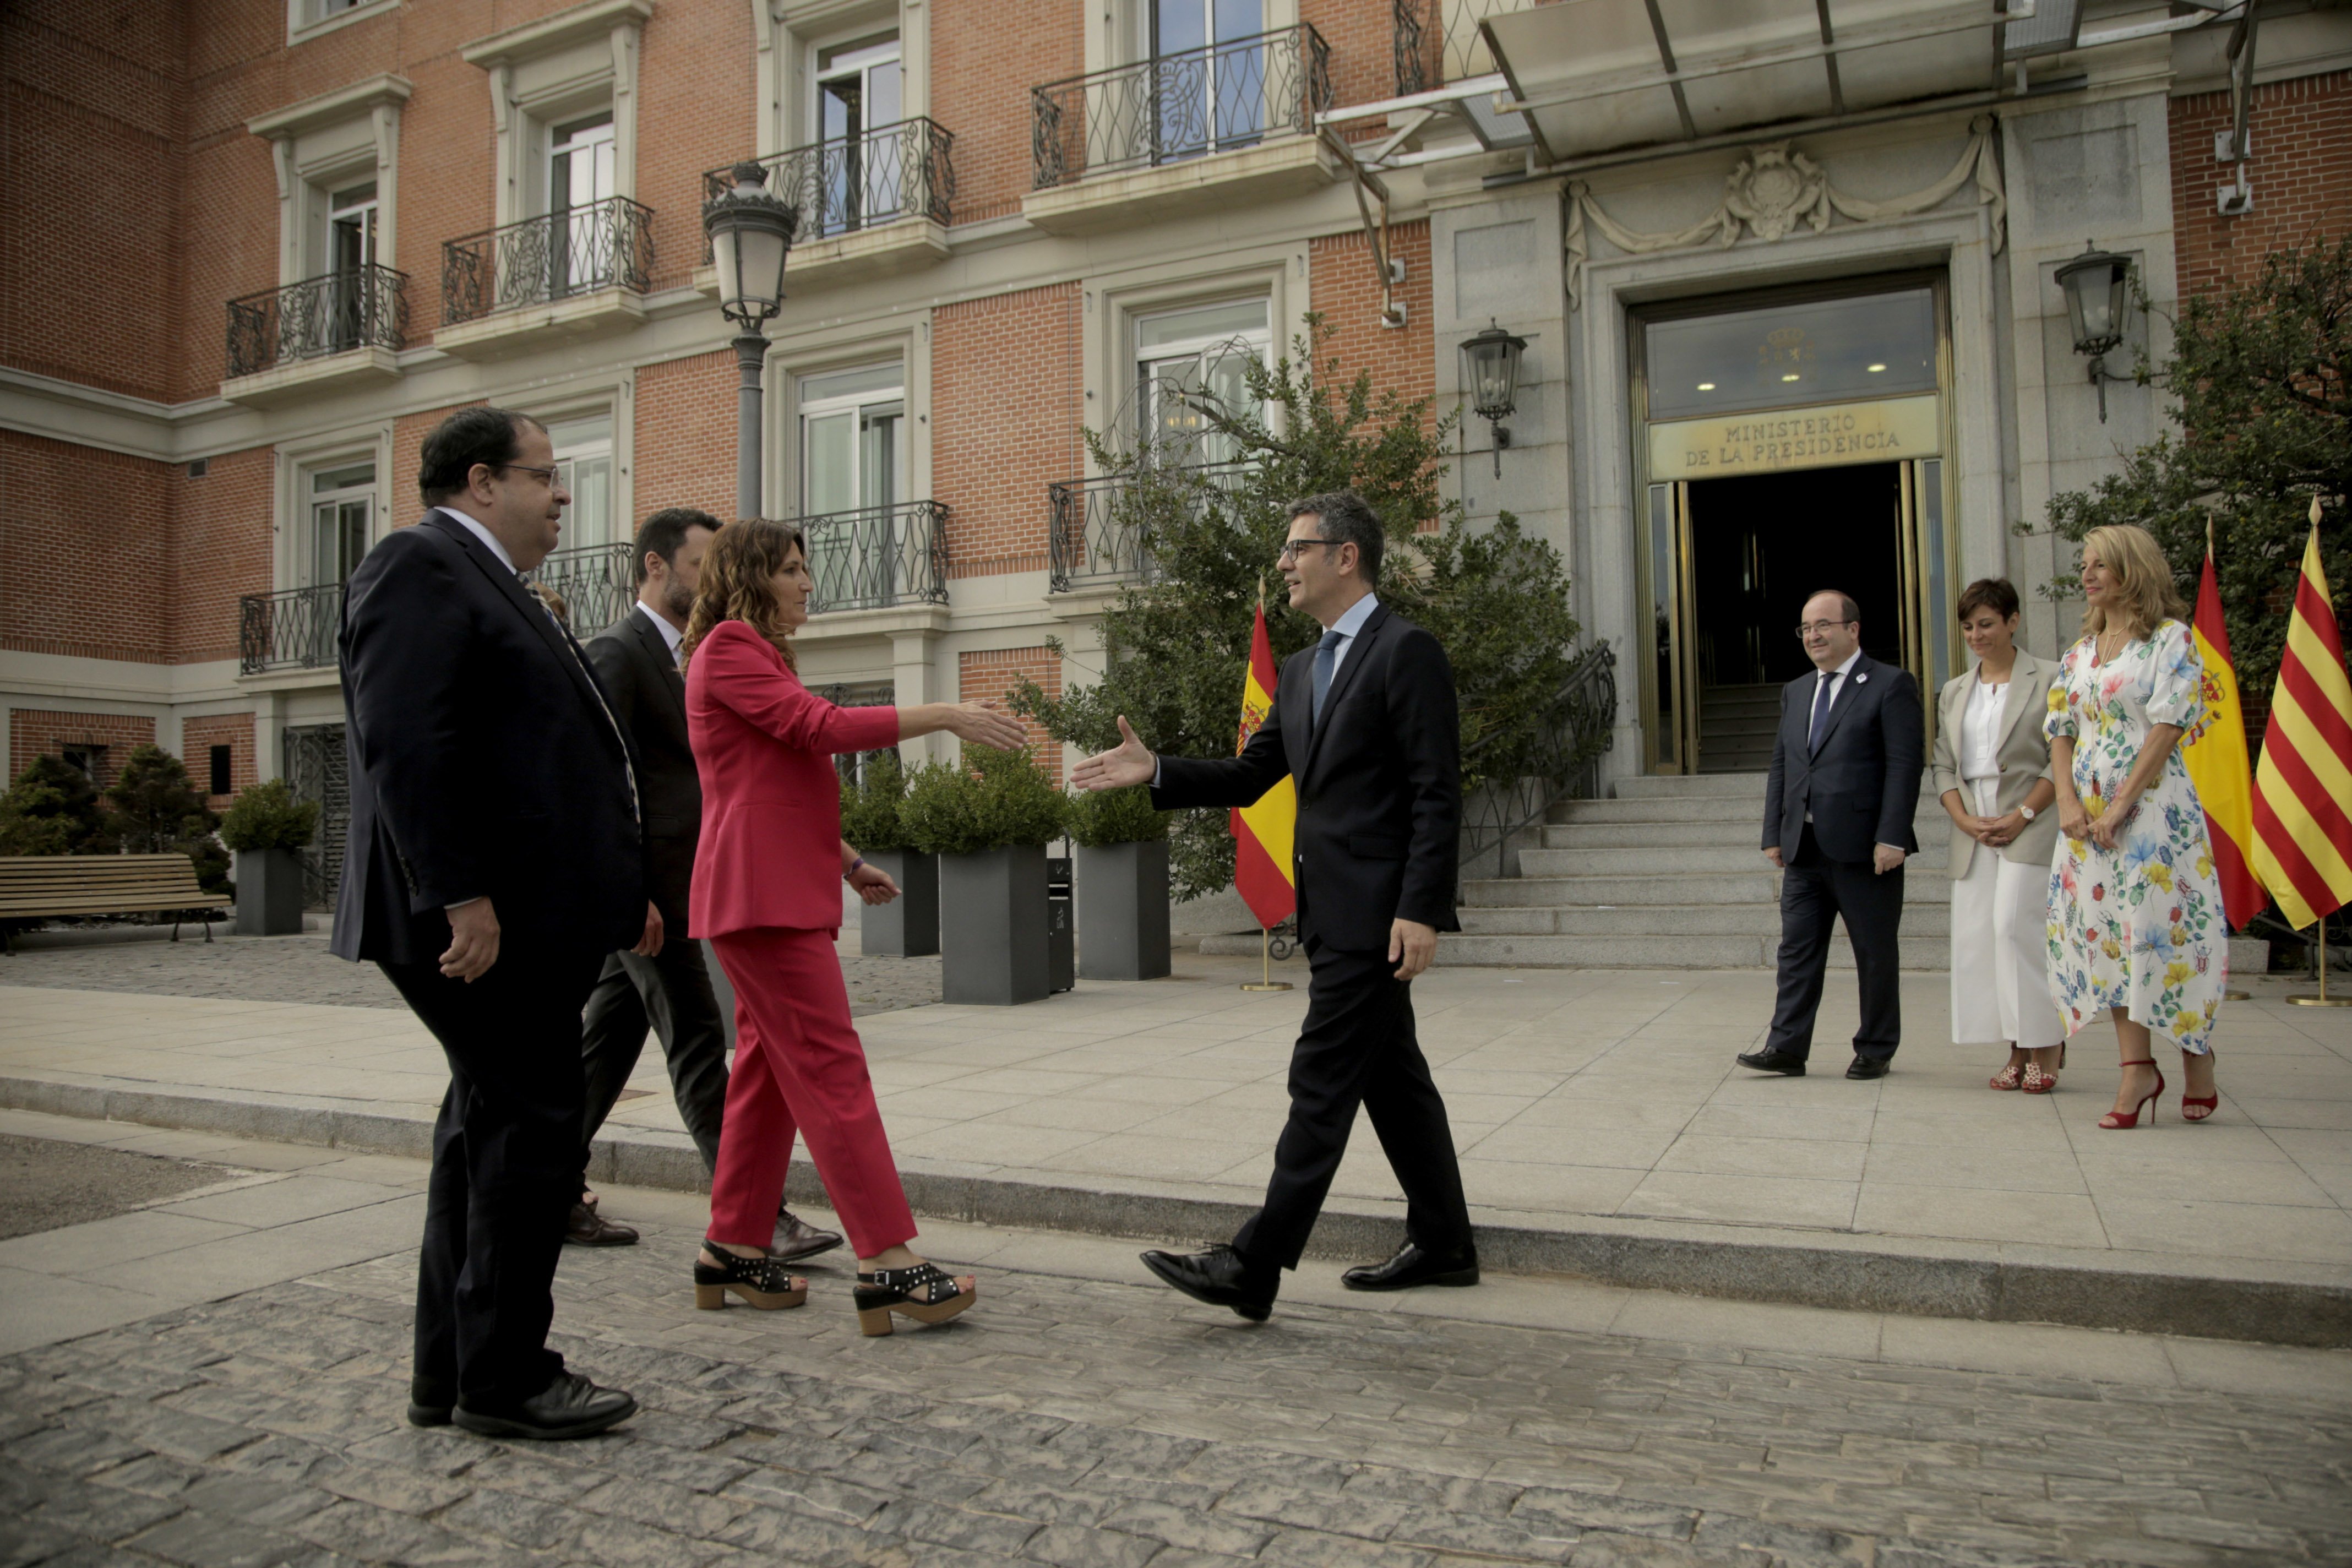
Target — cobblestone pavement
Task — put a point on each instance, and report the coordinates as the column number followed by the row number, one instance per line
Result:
column 300, row 969
column 1086, row 1423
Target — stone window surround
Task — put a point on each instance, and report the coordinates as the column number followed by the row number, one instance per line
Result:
column 295, row 461
column 303, row 24
column 559, row 68
column 1111, row 304
column 613, row 394
column 789, row 33
column 336, row 137
column 846, row 348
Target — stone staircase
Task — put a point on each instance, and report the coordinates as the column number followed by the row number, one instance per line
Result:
column 1667, row 876
column 1737, row 726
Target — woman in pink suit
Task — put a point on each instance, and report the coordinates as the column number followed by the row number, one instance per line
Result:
column 766, row 891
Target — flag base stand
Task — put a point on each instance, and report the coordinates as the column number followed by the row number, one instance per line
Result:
column 2322, row 999
column 1266, row 960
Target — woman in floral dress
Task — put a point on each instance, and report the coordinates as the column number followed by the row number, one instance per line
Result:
column 2135, row 922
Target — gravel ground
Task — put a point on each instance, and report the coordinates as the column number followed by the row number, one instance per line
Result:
column 300, row 969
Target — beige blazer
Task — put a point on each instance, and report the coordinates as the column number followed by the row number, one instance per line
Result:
column 2023, row 755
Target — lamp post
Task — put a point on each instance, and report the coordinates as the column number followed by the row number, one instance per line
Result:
column 2097, row 285
column 750, row 232
column 1490, row 368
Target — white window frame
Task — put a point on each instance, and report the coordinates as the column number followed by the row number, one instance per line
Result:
column 298, row 462
column 1140, row 381
column 787, row 51
column 567, row 461
column 367, row 493
column 560, row 68
column 309, row 19
column 332, row 142
column 616, row 399
column 860, row 405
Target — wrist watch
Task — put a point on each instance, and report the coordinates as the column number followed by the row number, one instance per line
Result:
column 2026, row 812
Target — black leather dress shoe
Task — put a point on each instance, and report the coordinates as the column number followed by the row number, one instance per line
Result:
column 571, row 1406
column 1868, row 1067
column 1412, row 1267
column 1773, row 1061
column 795, row 1238
column 430, row 1400
column 1220, row 1277
column 586, row 1227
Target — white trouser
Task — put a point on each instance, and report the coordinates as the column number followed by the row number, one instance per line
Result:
column 1999, row 936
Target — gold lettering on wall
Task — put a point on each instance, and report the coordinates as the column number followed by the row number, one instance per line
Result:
column 1886, row 430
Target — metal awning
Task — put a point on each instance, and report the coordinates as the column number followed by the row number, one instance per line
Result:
column 1593, row 75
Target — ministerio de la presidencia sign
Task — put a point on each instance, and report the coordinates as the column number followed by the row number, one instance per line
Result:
column 1721, row 445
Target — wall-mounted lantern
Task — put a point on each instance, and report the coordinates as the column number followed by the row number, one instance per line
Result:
column 1490, row 369
column 2097, row 284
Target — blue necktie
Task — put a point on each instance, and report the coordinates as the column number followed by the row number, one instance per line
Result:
column 1821, row 712
column 1327, row 658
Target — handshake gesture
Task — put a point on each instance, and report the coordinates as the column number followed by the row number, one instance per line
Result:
column 1128, row 763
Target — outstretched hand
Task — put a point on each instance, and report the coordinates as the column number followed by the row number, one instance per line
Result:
column 1128, row 763
column 985, row 724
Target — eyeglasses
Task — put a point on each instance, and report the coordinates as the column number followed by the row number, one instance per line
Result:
column 1291, row 547
column 546, row 475
column 1825, row 628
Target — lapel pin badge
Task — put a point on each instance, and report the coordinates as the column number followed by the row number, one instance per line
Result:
column 1859, row 678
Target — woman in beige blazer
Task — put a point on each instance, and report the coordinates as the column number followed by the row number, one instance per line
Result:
column 1993, row 771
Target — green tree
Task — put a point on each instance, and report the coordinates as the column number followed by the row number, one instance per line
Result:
column 2263, row 373
column 1175, row 647
column 50, row 809
column 152, row 808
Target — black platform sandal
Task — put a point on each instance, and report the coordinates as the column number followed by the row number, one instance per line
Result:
column 763, row 1281
column 922, row 1293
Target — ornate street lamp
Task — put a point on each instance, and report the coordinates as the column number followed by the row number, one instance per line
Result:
column 2098, row 287
column 750, row 234
column 1490, row 369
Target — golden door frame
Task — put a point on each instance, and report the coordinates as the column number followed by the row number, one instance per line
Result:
column 1927, row 548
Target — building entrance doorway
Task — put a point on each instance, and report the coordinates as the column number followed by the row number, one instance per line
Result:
column 1758, row 545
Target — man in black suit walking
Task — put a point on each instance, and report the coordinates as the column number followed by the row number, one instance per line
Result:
column 1837, row 817
column 1365, row 722
column 636, row 659
column 493, row 861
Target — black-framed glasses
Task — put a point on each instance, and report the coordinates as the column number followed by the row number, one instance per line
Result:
column 1291, row 547
column 1808, row 628
column 546, row 474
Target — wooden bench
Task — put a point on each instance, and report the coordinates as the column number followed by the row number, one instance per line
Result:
column 43, row 887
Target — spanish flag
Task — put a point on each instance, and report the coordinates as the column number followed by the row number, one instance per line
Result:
column 2216, row 755
column 1262, row 833
column 2303, row 788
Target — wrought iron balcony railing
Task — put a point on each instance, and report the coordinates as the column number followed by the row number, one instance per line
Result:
column 1101, row 528
column 878, row 556
column 1438, row 41
column 292, row 629
column 891, row 172
column 578, row 250
column 1192, row 104
column 598, row 584
column 359, row 307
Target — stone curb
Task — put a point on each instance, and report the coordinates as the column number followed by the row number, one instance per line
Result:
column 2264, row 1303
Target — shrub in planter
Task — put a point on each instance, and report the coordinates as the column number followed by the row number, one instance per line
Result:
column 909, row 924
column 268, row 828
column 1123, row 884
column 988, row 820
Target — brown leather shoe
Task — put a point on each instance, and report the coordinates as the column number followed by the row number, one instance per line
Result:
column 796, row 1238
column 586, row 1227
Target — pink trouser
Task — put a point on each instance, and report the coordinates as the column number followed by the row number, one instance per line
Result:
column 799, row 1068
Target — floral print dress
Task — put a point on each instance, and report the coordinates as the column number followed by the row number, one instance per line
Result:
column 2139, row 926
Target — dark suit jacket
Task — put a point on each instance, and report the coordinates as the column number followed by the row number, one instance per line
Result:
column 1863, row 784
column 1379, row 784
column 481, row 762
column 649, row 699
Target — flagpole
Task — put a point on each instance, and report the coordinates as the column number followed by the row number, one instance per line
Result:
column 2322, row 999
column 2229, row 992
column 1266, row 963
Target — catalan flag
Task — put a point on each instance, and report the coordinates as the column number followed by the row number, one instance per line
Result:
column 2215, row 753
column 2303, row 788
column 1263, row 832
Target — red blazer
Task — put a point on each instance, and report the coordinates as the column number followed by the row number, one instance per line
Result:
column 770, row 851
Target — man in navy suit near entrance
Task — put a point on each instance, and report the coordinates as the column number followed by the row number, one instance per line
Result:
column 1837, row 819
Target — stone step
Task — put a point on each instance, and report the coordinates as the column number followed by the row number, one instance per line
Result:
column 1714, row 696
column 1926, row 952
column 1719, row 729
column 1919, row 919
column 1935, row 832
column 1710, row 787
column 1668, row 860
column 1760, row 886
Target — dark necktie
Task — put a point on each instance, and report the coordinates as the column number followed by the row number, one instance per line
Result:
column 1820, row 713
column 1327, row 659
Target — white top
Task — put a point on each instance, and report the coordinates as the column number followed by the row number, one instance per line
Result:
column 1836, row 677
column 1349, row 623
column 1980, row 730
column 670, row 634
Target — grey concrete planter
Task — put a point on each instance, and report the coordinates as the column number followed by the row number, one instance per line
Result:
column 269, row 892
column 1123, row 910
column 909, row 924
column 992, row 927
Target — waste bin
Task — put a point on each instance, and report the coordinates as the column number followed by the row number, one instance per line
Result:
column 1061, row 926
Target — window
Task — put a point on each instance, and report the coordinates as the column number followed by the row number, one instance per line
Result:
column 851, row 453
column 342, row 513
column 584, row 251
column 89, row 761
column 1185, row 359
column 1208, row 89
column 1792, row 353
column 351, row 249
column 860, row 102
column 584, row 465
column 220, row 770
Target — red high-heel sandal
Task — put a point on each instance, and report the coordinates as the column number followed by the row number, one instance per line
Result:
column 2194, row 1106
column 2121, row 1120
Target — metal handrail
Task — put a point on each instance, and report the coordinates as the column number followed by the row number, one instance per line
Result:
column 294, row 628
column 577, row 250
column 850, row 183
column 876, row 556
column 356, row 308
column 1094, row 534
column 1169, row 108
column 1522, row 773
